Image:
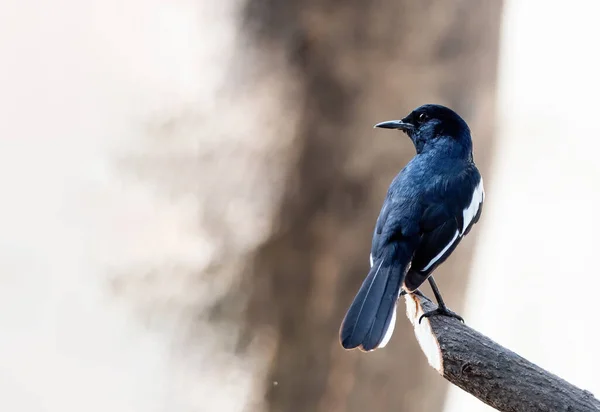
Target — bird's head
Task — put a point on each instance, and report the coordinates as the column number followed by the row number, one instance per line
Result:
column 430, row 126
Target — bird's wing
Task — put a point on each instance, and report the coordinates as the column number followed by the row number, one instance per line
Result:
column 437, row 242
column 399, row 218
column 447, row 218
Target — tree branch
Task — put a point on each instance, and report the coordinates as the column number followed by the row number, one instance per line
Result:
column 488, row 371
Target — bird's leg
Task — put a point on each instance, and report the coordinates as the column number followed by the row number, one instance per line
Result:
column 442, row 309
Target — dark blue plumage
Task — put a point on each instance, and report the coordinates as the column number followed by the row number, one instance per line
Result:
column 430, row 206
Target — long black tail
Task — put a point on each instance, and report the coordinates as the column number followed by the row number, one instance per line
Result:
column 369, row 322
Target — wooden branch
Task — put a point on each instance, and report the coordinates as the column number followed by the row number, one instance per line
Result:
column 488, row 371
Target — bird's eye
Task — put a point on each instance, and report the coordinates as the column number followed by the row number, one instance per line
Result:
column 422, row 117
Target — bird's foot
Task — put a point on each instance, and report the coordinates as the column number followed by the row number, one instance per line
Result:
column 442, row 311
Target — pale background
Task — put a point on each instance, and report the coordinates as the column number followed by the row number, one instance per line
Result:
column 534, row 282
column 102, row 223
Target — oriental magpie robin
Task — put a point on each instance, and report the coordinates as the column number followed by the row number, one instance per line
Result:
column 430, row 206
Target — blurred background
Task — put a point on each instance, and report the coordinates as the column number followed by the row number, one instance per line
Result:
column 189, row 189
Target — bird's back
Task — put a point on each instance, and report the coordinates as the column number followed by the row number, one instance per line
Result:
column 427, row 180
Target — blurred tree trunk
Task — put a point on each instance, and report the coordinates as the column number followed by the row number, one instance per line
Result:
column 359, row 63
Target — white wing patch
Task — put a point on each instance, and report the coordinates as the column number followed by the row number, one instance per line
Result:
column 476, row 201
column 439, row 255
column 468, row 214
column 371, row 259
column 389, row 331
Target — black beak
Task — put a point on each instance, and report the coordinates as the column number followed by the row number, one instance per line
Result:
column 396, row 124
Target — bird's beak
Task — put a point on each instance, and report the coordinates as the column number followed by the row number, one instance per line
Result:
column 396, row 124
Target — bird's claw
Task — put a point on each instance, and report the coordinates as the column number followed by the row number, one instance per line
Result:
column 442, row 311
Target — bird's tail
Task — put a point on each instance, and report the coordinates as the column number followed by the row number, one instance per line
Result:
column 369, row 322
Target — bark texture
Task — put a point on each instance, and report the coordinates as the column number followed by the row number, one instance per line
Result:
column 490, row 372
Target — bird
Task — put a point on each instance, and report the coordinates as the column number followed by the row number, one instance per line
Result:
column 430, row 206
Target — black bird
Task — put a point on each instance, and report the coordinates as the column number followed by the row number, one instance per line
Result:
column 430, row 206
